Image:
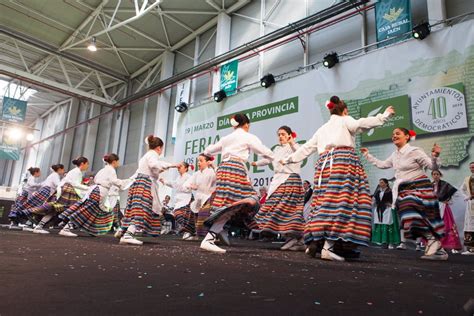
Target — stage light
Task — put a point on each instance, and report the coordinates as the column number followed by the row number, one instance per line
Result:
column 92, row 46
column 330, row 60
column 220, row 95
column 181, row 107
column 267, row 81
column 30, row 137
column 421, row 31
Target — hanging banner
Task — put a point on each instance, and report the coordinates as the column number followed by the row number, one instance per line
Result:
column 229, row 77
column 182, row 92
column 13, row 110
column 9, row 152
column 392, row 18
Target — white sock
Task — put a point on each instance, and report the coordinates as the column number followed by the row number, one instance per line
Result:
column 328, row 244
column 131, row 229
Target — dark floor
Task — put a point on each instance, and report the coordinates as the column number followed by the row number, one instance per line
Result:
column 53, row 275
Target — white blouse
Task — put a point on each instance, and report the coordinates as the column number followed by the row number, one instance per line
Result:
column 282, row 172
column 31, row 185
column 182, row 197
column 151, row 164
column 52, row 181
column 205, row 183
column 239, row 144
column 74, row 178
column 339, row 131
column 107, row 177
column 408, row 162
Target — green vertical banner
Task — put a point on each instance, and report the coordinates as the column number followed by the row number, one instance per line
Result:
column 13, row 110
column 229, row 77
column 392, row 18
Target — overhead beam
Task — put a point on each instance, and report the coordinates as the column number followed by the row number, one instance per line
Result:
column 318, row 17
column 52, row 85
column 53, row 50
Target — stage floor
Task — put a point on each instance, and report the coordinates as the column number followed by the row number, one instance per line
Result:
column 53, row 275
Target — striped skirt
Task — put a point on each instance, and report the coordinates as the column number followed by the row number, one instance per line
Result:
column 38, row 198
column 232, row 185
column 341, row 206
column 203, row 214
column 67, row 199
column 139, row 210
column 185, row 219
column 282, row 212
column 418, row 208
column 18, row 205
column 89, row 216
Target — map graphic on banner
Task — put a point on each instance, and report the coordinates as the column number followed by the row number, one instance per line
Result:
column 392, row 18
column 13, row 110
column 229, row 77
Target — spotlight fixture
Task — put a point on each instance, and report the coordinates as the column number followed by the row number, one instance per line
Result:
column 181, row 107
column 267, row 81
column 30, row 137
column 330, row 60
column 14, row 133
column 421, row 31
column 92, row 47
column 220, row 95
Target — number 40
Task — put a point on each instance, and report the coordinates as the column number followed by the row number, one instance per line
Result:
column 438, row 108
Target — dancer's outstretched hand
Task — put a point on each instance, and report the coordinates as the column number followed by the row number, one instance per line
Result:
column 390, row 110
column 254, row 163
column 364, row 150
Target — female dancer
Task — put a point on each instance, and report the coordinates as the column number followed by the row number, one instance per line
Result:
column 143, row 210
column 69, row 191
column 28, row 188
column 386, row 229
column 282, row 212
column 467, row 189
column 444, row 192
column 234, row 192
column 182, row 198
column 415, row 200
column 341, row 207
column 202, row 183
column 95, row 213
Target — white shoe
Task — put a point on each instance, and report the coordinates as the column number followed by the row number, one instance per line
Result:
column 208, row 244
column 327, row 254
column 118, row 234
column 28, row 229
column 290, row 243
column 467, row 253
column 440, row 255
column 191, row 238
column 299, row 246
column 402, row 246
column 391, row 247
column 432, row 246
column 186, row 236
column 130, row 240
column 67, row 233
column 40, row 230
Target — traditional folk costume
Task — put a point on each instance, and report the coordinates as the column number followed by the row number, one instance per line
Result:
column 233, row 183
column 282, row 212
column 47, row 190
column 386, row 228
column 143, row 210
column 25, row 192
column 96, row 212
column 203, row 184
column 413, row 195
column 468, row 190
column 444, row 192
column 182, row 199
column 341, row 207
column 69, row 191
